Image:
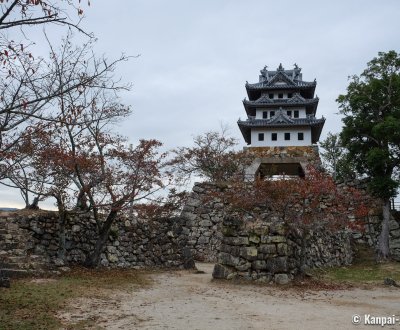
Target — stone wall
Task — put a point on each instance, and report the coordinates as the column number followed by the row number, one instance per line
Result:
column 370, row 235
column 394, row 227
column 131, row 243
column 201, row 220
column 29, row 240
column 17, row 249
column 304, row 155
column 266, row 251
column 203, row 223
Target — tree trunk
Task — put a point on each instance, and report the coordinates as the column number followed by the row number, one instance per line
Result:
column 25, row 196
column 62, row 218
column 34, row 205
column 81, row 201
column 303, row 247
column 383, row 243
column 93, row 259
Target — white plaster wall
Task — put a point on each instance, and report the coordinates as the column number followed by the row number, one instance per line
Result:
column 302, row 112
column 276, row 94
column 281, row 142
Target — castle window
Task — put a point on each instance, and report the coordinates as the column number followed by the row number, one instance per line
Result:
column 274, row 136
column 289, row 113
column 287, row 136
column 260, row 136
column 265, row 114
column 296, row 113
column 280, row 95
column 300, row 136
column 290, row 95
column 271, row 114
column 271, row 96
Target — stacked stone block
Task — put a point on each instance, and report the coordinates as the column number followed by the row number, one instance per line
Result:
column 34, row 236
column 268, row 252
column 18, row 256
column 201, row 219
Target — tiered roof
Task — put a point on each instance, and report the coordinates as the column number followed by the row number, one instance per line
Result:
column 265, row 102
column 281, row 79
column 289, row 81
column 281, row 120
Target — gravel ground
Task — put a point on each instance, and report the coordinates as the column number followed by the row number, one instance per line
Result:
column 185, row 300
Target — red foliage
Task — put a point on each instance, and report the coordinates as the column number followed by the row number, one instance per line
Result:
column 212, row 157
column 304, row 204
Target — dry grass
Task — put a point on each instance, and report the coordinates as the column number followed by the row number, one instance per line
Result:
column 363, row 273
column 33, row 304
column 364, row 270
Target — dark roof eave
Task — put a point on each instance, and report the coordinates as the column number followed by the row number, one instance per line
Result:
column 316, row 131
column 245, row 130
column 251, row 109
column 308, row 89
column 296, row 123
column 305, row 85
column 314, row 100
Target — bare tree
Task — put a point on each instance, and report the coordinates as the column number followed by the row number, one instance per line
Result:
column 33, row 97
column 24, row 13
column 48, row 141
column 28, row 86
column 213, row 157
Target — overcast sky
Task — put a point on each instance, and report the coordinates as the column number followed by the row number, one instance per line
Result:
column 195, row 56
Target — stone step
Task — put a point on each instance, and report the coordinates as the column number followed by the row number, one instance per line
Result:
column 10, row 226
column 15, row 259
column 36, row 257
column 9, row 246
column 22, row 260
column 12, row 233
column 6, row 239
column 19, row 252
column 29, row 265
column 12, row 265
column 15, row 273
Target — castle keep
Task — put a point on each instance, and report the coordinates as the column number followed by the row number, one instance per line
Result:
column 281, row 125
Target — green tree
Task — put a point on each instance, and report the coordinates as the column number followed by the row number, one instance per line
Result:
column 371, row 133
column 331, row 153
column 336, row 158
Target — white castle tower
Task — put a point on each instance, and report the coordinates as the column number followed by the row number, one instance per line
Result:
column 281, row 121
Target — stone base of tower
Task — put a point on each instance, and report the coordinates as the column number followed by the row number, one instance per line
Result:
column 291, row 161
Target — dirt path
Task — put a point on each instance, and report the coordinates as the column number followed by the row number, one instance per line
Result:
column 183, row 300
